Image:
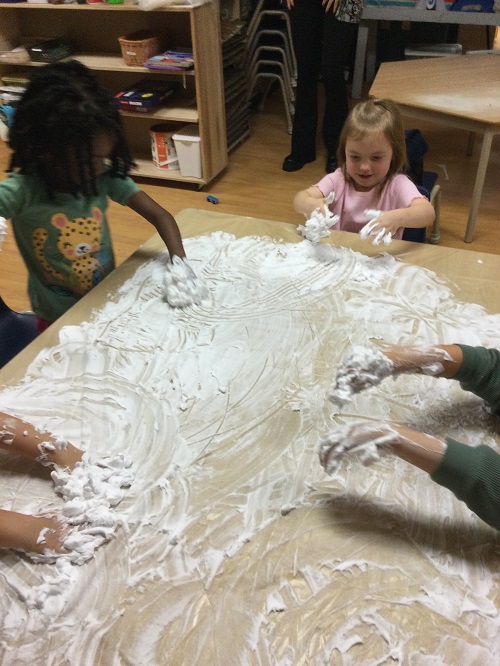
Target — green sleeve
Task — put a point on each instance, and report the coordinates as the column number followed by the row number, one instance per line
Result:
column 480, row 374
column 11, row 195
column 121, row 189
column 472, row 473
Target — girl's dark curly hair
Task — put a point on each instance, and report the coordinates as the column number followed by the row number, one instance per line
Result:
column 63, row 109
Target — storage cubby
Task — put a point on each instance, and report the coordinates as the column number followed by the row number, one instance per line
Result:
column 93, row 31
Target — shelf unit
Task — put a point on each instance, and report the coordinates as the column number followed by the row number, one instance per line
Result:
column 93, row 32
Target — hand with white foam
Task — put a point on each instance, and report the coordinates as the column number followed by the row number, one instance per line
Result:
column 371, row 440
column 368, row 439
column 361, row 368
column 364, row 367
column 375, row 228
column 320, row 221
column 182, row 285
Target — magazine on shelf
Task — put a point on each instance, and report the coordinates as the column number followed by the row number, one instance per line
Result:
column 177, row 59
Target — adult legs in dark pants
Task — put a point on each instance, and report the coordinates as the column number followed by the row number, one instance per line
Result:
column 323, row 46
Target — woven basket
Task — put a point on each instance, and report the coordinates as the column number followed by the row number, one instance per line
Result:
column 138, row 46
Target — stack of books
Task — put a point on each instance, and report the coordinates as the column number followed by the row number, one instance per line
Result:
column 177, row 59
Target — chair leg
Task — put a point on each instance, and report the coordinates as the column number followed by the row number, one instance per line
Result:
column 435, row 200
column 267, row 89
column 270, row 77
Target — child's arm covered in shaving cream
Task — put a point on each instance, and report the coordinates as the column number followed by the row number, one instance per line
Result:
column 471, row 473
column 308, row 200
column 34, row 534
column 476, row 368
column 23, row 439
column 364, row 367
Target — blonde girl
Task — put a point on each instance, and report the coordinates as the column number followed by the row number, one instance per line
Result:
column 371, row 158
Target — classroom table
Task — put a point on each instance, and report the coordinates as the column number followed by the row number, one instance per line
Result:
column 476, row 282
column 367, row 33
column 312, row 572
column 462, row 91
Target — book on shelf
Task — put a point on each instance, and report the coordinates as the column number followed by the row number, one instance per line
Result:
column 144, row 95
column 177, row 59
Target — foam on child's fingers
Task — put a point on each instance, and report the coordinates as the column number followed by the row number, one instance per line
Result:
column 182, row 286
column 365, row 231
column 90, row 491
column 319, row 224
column 368, row 440
column 362, row 368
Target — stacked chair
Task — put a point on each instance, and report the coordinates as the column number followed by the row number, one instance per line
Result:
column 270, row 57
column 235, row 82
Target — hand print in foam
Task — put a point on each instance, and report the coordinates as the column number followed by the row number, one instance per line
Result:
column 77, row 241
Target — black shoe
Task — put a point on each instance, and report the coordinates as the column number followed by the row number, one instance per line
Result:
column 331, row 164
column 292, row 163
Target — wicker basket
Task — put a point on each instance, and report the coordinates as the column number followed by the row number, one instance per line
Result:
column 138, row 46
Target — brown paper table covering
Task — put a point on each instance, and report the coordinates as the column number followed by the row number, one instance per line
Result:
column 264, row 559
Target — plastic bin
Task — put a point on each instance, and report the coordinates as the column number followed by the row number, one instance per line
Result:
column 187, row 145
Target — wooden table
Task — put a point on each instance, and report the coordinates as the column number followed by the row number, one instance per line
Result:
column 236, row 547
column 462, row 91
column 476, row 282
column 367, row 34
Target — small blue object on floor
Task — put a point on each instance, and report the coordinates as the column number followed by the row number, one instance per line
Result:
column 212, row 199
column 17, row 329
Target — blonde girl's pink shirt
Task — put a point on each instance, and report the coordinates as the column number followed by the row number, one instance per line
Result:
column 350, row 205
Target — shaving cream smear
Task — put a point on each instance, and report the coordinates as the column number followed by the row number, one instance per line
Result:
column 233, row 542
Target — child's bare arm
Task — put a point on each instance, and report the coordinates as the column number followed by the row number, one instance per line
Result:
column 34, row 534
column 161, row 219
column 437, row 360
column 21, row 438
column 306, row 201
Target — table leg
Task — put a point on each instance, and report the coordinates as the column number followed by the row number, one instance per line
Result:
column 359, row 61
column 478, row 185
column 371, row 52
column 470, row 143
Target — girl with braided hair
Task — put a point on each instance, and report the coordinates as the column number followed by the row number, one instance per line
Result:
column 69, row 157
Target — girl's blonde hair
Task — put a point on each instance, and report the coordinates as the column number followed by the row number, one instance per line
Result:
column 375, row 115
